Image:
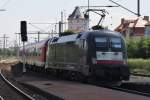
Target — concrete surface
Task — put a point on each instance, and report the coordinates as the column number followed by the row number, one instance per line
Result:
column 68, row 90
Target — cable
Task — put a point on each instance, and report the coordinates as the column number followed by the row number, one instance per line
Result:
column 5, row 3
column 36, row 27
column 124, row 7
column 118, row 0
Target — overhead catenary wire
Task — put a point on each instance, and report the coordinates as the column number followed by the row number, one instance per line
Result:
column 138, row 13
column 5, row 4
column 37, row 27
column 119, row 0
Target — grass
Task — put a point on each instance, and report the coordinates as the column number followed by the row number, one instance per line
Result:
column 6, row 57
column 140, row 66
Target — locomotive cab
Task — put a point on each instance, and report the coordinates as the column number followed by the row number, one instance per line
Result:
column 107, row 56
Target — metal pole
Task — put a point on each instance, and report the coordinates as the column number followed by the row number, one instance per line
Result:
column 4, row 42
column 24, row 69
column 38, row 36
column 60, row 27
column 19, row 39
column 4, row 45
column 61, row 21
column 88, row 4
column 138, row 8
column 123, row 7
column 65, row 19
column 88, row 14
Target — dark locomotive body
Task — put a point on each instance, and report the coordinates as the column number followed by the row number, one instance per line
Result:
column 100, row 54
column 95, row 53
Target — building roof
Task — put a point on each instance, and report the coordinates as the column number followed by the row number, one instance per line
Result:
column 141, row 23
column 125, row 23
column 148, row 24
column 76, row 14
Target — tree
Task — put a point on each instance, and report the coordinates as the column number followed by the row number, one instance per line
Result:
column 139, row 48
column 132, row 48
column 67, row 32
column 144, row 47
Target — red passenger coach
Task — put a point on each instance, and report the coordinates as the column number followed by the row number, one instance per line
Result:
column 41, row 52
column 35, row 53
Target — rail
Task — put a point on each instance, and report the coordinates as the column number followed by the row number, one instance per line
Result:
column 1, row 98
column 144, row 75
column 131, row 91
column 16, row 88
column 119, row 88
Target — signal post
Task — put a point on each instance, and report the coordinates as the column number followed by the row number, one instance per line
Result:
column 24, row 39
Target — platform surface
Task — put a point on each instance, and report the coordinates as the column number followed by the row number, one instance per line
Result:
column 68, row 90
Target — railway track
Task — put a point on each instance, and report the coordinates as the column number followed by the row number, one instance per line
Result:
column 17, row 90
column 124, row 89
column 135, row 74
column 139, row 85
column 1, row 98
column 131, row 91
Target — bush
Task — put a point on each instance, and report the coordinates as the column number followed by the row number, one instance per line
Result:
column 8, row 52
column 138, row 48
column 139, row 65
column 67, row 32
column 132, row 48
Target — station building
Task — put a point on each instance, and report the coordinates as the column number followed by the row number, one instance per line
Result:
column 77, row 22
column 134, row 28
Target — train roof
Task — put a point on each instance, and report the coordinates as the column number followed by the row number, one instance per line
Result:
column 83, row 35
column 67, row 38
column 36, row 44
column 102, row 32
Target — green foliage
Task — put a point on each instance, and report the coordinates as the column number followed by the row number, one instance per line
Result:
column 67, row 32
column 141, row 66
column 144, row 48
column 132, row 48
column 138, row 48
column 8, row 53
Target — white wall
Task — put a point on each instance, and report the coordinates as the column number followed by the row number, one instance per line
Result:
column 78, row 24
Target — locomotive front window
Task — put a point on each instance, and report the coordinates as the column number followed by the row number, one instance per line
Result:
column 115, row 44
column 101, row 43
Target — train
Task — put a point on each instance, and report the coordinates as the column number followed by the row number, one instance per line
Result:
column 100, row 54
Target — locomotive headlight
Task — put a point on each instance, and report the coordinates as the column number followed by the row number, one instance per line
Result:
column 94, row 61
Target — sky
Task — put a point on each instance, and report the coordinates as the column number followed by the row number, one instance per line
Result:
column 49, row 11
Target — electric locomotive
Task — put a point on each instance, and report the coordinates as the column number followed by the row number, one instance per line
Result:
column 99, row 53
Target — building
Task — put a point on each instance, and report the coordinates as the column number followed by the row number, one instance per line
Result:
column 135, row 27
column 77, row 22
